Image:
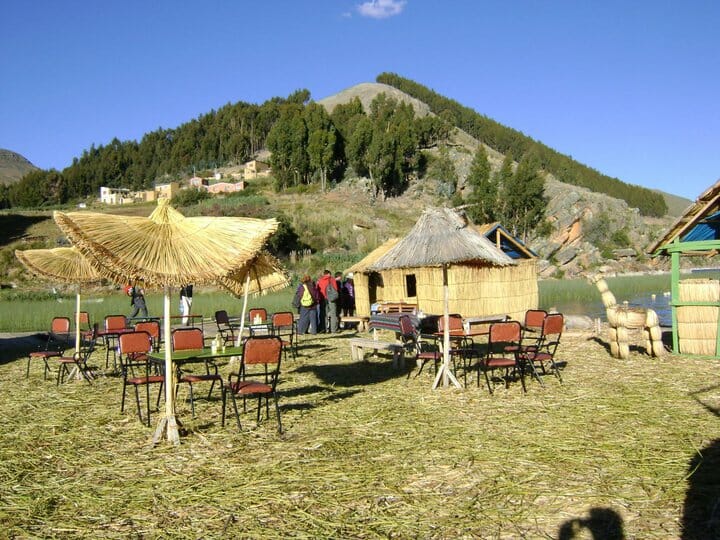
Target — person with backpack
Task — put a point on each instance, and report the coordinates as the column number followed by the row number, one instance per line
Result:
column 329, row 291
column 305, row 301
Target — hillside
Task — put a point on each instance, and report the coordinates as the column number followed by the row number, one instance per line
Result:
column 367, row 92
column 13, row 166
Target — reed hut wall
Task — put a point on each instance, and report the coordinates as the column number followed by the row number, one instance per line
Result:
column 474, row 289
column 698, row 325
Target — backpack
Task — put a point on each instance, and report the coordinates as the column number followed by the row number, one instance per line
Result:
column 307, row 299
column 331, row 293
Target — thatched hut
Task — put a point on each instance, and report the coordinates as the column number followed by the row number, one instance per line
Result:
column 695, row 302
column 494, row 284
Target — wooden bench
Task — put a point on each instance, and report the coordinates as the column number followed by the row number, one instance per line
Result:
column 359, row 345
column 396, row 307
column 362, row 322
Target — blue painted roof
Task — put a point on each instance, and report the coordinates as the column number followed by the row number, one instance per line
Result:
column 506, row 246
column 707, row 229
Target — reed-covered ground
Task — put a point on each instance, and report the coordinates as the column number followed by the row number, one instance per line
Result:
column 624, row 449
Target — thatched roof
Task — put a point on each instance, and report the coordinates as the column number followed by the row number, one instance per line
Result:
column 441, row 236
column 364, row 264
column 707, row 204
column 64, row 264
column 165, row 248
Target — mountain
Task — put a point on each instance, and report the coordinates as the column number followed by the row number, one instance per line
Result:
column 13, row 166
column 676, row 204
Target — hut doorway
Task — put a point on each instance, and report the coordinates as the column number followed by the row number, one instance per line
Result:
column 410, row 286
column 375, row 287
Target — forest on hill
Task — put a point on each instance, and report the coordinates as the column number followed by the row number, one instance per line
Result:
column 311, row 146
column 510, row 141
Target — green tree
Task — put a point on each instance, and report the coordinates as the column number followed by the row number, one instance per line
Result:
column 483, row 199
column 525, row 200
column 442, row 170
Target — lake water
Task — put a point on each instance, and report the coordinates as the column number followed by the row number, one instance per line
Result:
column 595, row 309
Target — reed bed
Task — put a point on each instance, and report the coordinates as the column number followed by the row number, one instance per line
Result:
column 370, row 453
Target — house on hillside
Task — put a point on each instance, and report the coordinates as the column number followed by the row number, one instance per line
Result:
column 695, row 303
column 167, row 191
column 225, row 187
column 199, row 183
column 256, row 169
column 504, row 282
column 115, row 196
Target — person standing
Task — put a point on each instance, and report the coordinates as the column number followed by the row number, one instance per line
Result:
column 330, row 294
column 137, row 301
column 305, row 301
column 348, row 306
column 186, row 299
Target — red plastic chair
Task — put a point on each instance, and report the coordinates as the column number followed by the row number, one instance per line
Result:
column 152, row 328
column 55, row 346
column 422, row 351
column 184, row 339
column 503, row 350
column 79, row 360
column 283, row 326
column 134, row 349
column 261, row 359
column 544, row 352
column 260, row 312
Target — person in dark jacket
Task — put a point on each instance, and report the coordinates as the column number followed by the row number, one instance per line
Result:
column 137, row 301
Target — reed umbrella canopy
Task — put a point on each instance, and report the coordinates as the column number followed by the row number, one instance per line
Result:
column 441, row 237
column 262, row 274
column 64, row 264
column 166, row 249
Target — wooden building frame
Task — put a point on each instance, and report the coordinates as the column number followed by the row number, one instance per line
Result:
column 695, row 233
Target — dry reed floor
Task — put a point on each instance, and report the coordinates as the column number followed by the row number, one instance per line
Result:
column 368, row 453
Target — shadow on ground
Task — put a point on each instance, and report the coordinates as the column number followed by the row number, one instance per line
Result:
column 18, row 346
column 600, row 524
column 14, row 226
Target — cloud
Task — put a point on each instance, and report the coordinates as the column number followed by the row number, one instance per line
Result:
column 381, row 9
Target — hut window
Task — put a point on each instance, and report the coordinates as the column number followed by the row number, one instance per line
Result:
column 410, row 285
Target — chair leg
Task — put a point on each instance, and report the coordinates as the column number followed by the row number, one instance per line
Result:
column 237, row 413
column 277, row 412
column 122, row 402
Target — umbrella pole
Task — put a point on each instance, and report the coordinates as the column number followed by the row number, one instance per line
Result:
column 168, row 421
column 244, row 310
column 77, row 320
column 445, row 372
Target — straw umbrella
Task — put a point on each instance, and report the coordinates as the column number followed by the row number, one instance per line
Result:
column 440, row 238
column 65, row 265
column 166, row 250
column 260, row 275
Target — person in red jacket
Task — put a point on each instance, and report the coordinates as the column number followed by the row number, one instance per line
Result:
column 329, row 291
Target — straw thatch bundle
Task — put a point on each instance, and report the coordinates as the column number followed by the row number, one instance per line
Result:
column 697, row 325
column 166, row 248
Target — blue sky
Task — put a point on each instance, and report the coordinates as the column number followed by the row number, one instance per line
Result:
column 627, row 87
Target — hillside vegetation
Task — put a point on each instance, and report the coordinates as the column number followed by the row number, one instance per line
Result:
column 510, row 141
column 317, row 149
